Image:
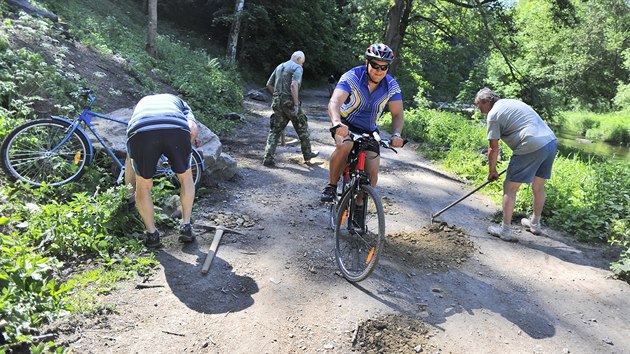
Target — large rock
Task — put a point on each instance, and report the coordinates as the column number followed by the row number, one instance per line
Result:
column 218, row 165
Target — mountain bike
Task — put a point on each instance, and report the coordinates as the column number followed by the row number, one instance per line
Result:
column 57, row 150
column 357, row 214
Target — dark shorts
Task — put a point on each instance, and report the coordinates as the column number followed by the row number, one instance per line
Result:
column 145, row 149
column 374, row 145
column 523, row 168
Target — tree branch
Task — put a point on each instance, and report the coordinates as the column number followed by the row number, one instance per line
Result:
column 469, row 6
column 513, row 71
column 30, row 9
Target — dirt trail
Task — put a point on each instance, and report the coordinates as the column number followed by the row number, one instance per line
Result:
column 275, row 289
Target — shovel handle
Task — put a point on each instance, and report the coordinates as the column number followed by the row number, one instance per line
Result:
column 212, row 251
column 462, row 198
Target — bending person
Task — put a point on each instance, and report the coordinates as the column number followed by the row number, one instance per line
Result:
column 534, row 148
column 161, row 125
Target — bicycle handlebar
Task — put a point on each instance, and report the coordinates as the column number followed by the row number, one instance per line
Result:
column 376, row 137
column 87, row 94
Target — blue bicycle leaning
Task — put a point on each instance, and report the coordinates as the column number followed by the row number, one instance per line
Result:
column 57, row 150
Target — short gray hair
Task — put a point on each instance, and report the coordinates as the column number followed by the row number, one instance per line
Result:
column 486, row 94
column 297, row 55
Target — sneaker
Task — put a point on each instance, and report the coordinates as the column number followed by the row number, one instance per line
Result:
column 269, row 163
column 329, row 194
column 533, row 228
column 504, row 233
column 186, row 233
column 152, row 240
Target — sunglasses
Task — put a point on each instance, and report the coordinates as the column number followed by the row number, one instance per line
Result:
column 376, row 66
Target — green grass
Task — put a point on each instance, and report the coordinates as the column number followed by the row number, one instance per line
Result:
column 613, row 128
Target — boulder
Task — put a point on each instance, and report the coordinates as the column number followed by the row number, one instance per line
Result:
column 257, row 95
column 217, row 165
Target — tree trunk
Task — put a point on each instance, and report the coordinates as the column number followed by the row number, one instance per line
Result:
column 234, row 31
column 30, row 9
column 152, row 29
column 398, row 21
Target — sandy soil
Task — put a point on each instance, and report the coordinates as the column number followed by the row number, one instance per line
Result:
column 274, row 288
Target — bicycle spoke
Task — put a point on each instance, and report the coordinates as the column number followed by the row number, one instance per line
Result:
column 28, row 153
column 359, row 233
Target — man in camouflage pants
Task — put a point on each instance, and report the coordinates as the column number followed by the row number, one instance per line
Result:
column 284, row 83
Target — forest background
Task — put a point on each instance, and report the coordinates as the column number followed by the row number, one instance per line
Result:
column 563, row 57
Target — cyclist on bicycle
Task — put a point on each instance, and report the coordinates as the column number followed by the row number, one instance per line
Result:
column 356, row 104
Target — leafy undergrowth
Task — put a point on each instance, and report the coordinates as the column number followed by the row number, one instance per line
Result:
column 62, row 247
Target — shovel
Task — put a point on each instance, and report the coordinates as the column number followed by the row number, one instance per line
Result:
column 433, row 216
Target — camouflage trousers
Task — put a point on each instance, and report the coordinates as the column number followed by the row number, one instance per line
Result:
column 282, row 114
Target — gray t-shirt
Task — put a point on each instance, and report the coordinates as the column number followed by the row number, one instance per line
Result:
column 519, row 126
column 283, row 75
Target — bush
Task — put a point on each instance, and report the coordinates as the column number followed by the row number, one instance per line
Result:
column 588, row 124
column 619, row 136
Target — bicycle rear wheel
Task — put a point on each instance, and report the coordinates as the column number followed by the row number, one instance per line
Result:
column 164, row 170
column 359, row 233
column 28, row 156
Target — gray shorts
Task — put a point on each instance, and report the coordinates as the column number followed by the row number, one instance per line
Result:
column 523, row 168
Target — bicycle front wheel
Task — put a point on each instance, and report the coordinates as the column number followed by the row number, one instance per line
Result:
column 359, row 233
column 31, row 153
column 332, row 208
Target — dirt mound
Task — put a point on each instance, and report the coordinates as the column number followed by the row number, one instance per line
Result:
column 437, row 248
column 391, row 334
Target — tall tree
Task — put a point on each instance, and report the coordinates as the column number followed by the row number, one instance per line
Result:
column 397, row 22
column 152, row 28
column 235, row 30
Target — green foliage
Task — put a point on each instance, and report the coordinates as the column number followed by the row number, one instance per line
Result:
column 41, row 227
column 29, row 295
column 211, row 87
column 573, row 49
column 621, row 268
column 272, row 30
column 587, row 124
column 613, row 128
column 26, row 77
column 619, row 136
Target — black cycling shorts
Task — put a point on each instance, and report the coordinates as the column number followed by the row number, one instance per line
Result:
column 145, row 148
column 374, row 145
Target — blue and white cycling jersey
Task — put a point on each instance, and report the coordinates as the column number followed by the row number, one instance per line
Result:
column 362, row 109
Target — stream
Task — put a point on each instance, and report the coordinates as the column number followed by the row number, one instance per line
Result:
column 569, row 142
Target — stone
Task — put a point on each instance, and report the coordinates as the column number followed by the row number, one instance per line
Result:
column 257, row 95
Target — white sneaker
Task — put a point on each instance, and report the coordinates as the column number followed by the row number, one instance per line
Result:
column 504, row 233
column 533, row 228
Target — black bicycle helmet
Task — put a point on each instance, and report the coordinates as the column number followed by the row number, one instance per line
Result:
column 379, row 51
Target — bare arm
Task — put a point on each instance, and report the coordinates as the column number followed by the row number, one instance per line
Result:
column 270, row 88
column 194, row 130
column 338, row 97
column 295, row 87
column 398, row 120
column 493, row 156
